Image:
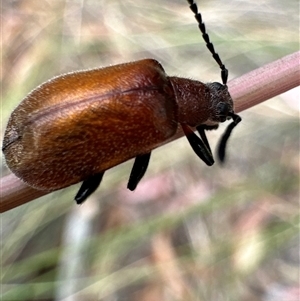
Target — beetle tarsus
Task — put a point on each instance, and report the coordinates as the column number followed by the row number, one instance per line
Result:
column 199, row 147
column 88, row 187
column 138, row 170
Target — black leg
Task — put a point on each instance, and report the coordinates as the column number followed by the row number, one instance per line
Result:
column 138, row 170
column 199, row 147
column 201, row 130
column 88, row 187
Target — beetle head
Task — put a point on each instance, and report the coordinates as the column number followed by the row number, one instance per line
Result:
column 221, row 103
column 222, row 110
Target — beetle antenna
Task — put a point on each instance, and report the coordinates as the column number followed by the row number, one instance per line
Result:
column 209, row 45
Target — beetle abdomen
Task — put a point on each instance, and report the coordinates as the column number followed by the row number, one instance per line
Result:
column 83, row 123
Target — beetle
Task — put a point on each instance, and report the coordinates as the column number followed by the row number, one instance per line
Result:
column 74, row 127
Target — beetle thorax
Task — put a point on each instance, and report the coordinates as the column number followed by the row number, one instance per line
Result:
column 200, row 103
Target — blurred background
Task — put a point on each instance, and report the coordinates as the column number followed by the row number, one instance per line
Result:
column 188, row 232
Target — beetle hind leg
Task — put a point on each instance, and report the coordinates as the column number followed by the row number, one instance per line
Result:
column 138, row 170
column 87, row 187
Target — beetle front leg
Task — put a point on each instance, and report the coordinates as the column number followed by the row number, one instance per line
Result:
column 199, row 147
column 88, row 187
column 138, row 170
column 201, row 130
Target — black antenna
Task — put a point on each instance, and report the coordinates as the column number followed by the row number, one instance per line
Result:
column 209, row 45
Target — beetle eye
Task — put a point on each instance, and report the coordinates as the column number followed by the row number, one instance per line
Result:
column 223, row 111
column 223, row 108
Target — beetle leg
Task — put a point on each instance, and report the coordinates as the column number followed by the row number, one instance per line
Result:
column 201, row 130
column 138, row 170
column 200, row 148
column 88, row 187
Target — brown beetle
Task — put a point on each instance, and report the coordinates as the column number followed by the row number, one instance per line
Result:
column 74, row 127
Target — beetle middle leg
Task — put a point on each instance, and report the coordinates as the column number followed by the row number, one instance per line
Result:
column 87, row 187
column 138, row 170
